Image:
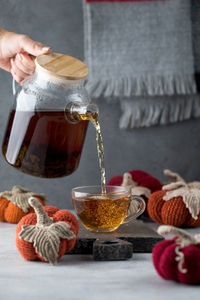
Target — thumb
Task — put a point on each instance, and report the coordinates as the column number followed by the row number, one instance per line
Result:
column 32, row 47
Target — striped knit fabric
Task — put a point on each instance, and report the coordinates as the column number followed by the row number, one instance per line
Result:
column 144, row 54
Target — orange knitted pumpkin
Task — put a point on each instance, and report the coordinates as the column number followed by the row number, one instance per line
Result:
column 47, row 234
column 14, row 204
column 177, row 204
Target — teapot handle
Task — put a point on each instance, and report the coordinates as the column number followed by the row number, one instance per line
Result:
column 13, row 87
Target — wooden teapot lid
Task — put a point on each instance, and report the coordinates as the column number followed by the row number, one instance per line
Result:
column 62, row 66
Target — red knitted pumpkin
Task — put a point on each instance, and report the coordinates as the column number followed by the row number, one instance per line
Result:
column 178, row 259
column 141, row 178
column 47, row 234
column 138, row 179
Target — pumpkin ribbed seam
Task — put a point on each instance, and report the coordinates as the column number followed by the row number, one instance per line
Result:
column 174, row 212
column 13, row 213
column 3, row 208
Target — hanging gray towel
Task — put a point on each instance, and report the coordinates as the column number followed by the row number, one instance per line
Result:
column 141, row 53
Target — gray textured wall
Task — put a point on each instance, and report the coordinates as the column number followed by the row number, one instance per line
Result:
column 60, row 25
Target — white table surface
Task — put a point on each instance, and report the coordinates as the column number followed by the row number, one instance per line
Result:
column 79, row 277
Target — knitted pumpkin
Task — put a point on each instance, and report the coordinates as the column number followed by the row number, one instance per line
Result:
column 46, row 234
column 140, row 183
column 177, row 204
column 14, row 204
column 178, row 259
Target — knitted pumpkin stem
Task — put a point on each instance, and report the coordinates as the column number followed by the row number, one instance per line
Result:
column 184, row 238
column 174, row 175
column 42, row 216
column 128, row 181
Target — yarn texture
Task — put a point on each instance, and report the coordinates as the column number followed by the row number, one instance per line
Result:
column 178, row 259
column 14, row 204
column 177, row 204
column 47, row 234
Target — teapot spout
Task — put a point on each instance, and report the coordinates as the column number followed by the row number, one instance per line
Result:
column 79, row 111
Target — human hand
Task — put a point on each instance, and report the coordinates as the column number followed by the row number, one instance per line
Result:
column 17, row 52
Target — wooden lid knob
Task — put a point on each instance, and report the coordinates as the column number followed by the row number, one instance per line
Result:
column 62, row 66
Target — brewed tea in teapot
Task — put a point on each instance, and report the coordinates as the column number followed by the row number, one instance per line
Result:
column 42, row 138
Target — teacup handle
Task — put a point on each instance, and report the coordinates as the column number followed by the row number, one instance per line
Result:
column 134, row 210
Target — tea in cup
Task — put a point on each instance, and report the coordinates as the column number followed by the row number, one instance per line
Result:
column 105, row 212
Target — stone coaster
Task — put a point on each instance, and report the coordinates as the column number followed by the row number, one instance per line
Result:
column 112, row 250
column 137, row 233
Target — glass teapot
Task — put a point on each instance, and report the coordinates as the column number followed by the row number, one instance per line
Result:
column 44, row 137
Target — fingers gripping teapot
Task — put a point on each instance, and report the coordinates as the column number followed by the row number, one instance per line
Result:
column 43, row 136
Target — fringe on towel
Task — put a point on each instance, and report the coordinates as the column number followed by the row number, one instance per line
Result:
column 147, row 84
column 158, row 110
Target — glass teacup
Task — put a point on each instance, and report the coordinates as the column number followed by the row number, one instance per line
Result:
column 106, row 212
